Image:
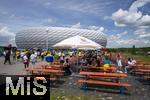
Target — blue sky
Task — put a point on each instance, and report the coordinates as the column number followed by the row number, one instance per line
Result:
column 125, row 22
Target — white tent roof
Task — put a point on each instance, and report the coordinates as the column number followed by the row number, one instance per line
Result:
column 78, row 42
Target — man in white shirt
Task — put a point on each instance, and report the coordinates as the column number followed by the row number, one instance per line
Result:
column 33, row 59
column 25, row 61
column 133, row 61
column 129, row 66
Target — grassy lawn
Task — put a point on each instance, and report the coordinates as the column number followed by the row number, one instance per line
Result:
column 59, row 96
column 55, row 96
column 139, row 58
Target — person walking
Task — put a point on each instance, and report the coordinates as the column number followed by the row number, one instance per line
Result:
column 25, row 61
column 33, row 58
column 42, row 56
column 7, row 56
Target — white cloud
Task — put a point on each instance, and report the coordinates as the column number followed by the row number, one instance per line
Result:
column 92, row 7
column 117, row 36
column 119, row 24
column 144, row 21
column 93, row 27
column 142, row 33
column 145, row 36
column 137, row 4
column 132, row 16
column 12, row 42
column 78, row 25
column 139, row 31
column 128, row 42
column 118, row 40
column 96, row 28
column 4, row 31
column 124, row 33
column 8, row 36
column 101, row 29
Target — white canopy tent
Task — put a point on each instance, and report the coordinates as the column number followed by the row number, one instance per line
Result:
column 78, row 42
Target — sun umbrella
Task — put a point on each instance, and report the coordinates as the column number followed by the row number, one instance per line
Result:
column 78, row 42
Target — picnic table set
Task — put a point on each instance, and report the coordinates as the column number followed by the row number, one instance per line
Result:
column 101, row 77
column 89, row 75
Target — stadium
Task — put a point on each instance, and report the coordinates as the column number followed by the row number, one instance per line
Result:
column 39, row 37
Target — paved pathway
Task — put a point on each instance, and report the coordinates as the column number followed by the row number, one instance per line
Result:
column 16, row 68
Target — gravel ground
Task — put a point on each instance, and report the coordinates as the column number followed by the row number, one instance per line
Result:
column 68, row 85
column 138, row 91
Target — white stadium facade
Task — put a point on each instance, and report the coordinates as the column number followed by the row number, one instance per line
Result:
column 39, row 37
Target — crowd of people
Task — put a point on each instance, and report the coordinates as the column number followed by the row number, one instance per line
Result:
column 72, row 59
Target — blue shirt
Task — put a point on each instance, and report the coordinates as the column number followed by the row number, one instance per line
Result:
column 106, row 62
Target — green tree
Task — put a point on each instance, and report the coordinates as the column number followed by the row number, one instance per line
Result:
column 133, row 49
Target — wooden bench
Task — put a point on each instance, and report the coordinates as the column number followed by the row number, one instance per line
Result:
column 146, row 66
column 147, row 77
column 121, row 86
column 111, row 69
column 116, row 77
column 141, row 71
column 104, row 83
column 45, row 71
column 89, row 76
column 52, row 66
column 98, row 77
column 138, row 73
column 144, row 70
column 91, row 67
column 49, row 71
column 51, row 79
column 46, row 65
column 103, row 74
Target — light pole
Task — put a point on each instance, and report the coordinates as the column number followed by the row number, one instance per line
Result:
column 47, row 39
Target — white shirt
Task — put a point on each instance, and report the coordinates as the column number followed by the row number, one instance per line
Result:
column 59, row 54
column 42, row 53
column 119, row 63
column 22, row 54
column 35, row 54
column 32, row 57
column 25, row 58
column 38, row 53
column 130, row 63
column 4, row 53
column 133, row 61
